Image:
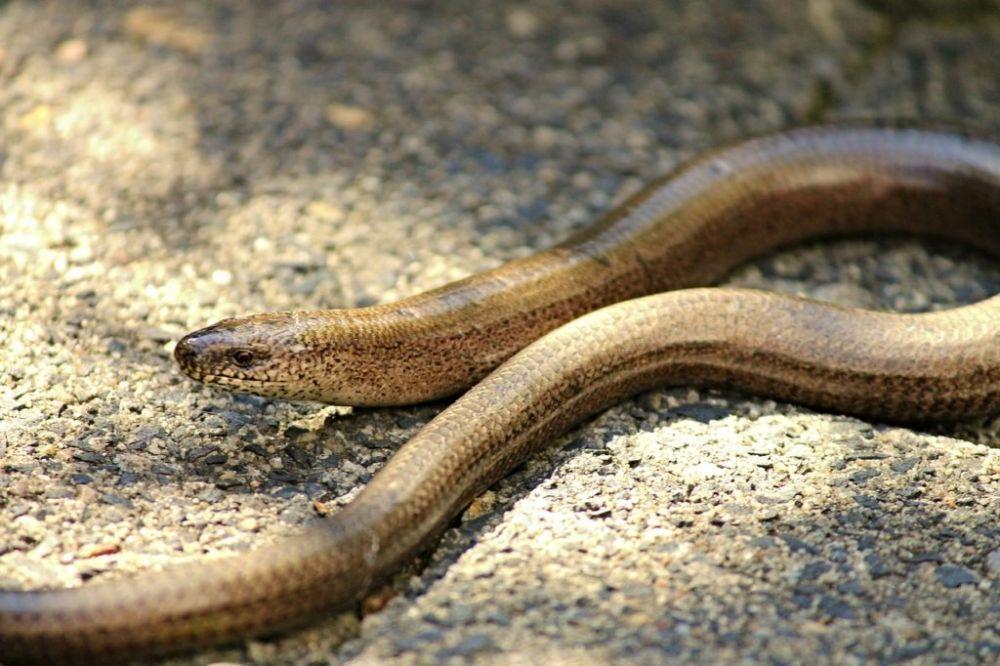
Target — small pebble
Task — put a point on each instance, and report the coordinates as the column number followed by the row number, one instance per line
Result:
column 349, row 117
column 522, row 22
column 993, row 562
column 951, row 575
column 72, row 51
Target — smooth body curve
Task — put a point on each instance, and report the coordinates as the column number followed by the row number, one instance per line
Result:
column 687, row 229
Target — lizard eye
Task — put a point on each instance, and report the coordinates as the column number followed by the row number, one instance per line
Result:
column 244, row 358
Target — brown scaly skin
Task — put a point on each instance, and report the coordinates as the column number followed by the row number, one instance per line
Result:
column 687, row 229
column 752, row 197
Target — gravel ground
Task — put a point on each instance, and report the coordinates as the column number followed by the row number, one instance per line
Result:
column 165, row 166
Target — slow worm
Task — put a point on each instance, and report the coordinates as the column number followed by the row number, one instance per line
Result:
column 686, row 230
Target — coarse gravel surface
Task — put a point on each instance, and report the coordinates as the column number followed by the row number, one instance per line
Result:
column 167, row 165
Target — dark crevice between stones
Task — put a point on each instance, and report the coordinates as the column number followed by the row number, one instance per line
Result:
column 936, row 11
